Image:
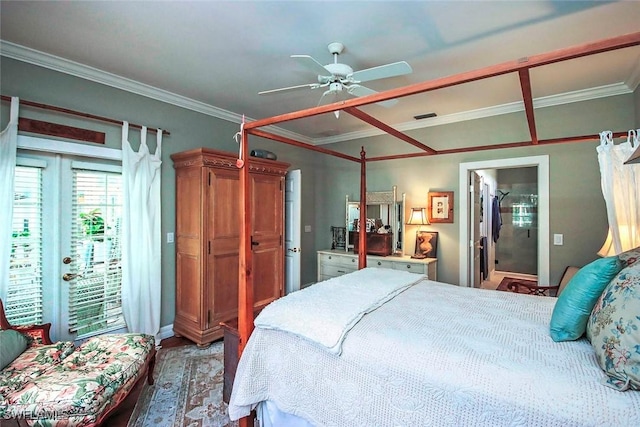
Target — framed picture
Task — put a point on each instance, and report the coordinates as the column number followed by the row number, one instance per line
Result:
column 440, row 207
column 427, row 244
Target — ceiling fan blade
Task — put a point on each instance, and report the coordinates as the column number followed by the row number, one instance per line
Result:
column 311, row 64
column 283, row 89
column 381, row 72
column 357, row 90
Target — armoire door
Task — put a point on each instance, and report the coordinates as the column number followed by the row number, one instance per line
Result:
column 223, row 212
column 267, row 237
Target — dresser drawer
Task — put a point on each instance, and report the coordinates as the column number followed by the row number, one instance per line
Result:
column 341, row 260
column 332, row 270
column 379, row 263
column 418, row 268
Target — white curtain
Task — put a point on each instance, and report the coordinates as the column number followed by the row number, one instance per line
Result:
column 8, row 148
column 141, row 257
column 621, row 190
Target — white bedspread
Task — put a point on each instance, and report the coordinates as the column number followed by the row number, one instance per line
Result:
column 436, row 355
column 325, row 312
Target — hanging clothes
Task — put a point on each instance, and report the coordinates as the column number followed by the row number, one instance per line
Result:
column 141, row 238
column 484, row 258
column 8, row 152
column 496, row 219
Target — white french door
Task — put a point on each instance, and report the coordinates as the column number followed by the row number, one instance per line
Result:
column 65, row 265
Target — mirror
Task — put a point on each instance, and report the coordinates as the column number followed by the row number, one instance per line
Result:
column 383, row 206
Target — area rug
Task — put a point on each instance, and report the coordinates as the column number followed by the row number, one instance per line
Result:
column 187, row 390
column 521, row 289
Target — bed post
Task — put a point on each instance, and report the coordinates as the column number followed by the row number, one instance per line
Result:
column 245, row 275
column 362, row 235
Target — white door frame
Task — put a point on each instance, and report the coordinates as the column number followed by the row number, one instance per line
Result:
column 542, row 163
column 293, row 233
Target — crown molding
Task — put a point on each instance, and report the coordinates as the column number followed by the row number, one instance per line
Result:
column 512, row 107
column 634, row 78
column 32, row 56
column 52, row 62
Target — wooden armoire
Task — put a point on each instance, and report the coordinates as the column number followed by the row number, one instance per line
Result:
column 208, row 238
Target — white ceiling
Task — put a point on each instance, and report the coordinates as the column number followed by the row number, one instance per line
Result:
column 215, row 56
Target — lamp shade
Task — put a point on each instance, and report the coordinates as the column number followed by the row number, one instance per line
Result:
column 626, row 234
column 418, row 217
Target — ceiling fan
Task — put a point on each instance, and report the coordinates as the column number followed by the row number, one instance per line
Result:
column 337, row 77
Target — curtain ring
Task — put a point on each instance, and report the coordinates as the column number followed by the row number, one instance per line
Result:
column 606, row 137
column 631, row 137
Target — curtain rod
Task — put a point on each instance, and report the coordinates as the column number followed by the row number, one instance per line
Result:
column 80, row 114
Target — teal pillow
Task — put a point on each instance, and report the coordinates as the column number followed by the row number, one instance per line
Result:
column 574, row 305
column 12, row 344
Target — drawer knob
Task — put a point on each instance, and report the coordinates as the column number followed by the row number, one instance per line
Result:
column 329, row 256
column 408, row 265
column 353, row 260
column 379, row 263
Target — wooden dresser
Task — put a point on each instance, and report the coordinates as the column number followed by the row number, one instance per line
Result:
column 208, row 239
column 334, row 263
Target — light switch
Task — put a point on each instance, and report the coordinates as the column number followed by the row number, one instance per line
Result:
column 169, row 237
column 307, row 229
column 558, row 239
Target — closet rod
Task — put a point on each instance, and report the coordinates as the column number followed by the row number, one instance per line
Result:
column 77, row 113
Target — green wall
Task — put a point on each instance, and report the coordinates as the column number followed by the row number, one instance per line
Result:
column 188, row 130
column 577, row 207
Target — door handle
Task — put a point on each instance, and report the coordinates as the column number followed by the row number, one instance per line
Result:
column 293, row 250
column 67, row 277
column 254, row 243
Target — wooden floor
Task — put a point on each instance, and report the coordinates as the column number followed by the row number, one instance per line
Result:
column 120, row 418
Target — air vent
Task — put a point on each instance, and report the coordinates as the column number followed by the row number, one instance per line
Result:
column 424, row 116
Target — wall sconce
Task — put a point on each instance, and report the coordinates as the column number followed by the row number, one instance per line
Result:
column 418, row 217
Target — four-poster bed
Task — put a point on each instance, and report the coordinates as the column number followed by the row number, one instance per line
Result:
column 520, row 66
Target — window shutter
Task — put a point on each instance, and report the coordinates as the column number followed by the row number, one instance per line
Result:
column 95, row 304
column 24, row 297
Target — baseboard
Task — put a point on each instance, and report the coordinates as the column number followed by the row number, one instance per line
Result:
column 166, row 332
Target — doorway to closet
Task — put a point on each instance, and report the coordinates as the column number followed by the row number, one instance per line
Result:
column 519, row 214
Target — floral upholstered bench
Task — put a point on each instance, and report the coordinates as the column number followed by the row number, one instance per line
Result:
column 62, row 385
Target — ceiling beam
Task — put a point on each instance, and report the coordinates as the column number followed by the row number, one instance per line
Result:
column 388, row 129
column 285, row 140
column 586, row 49
column 527, row 98
column 582, row 138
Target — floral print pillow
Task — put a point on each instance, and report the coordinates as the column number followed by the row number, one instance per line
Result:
column 614, row 326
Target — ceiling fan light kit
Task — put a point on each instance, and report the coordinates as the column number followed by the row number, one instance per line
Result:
column 337, row 76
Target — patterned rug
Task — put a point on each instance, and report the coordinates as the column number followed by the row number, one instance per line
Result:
column 503, row 284
column 187, row 390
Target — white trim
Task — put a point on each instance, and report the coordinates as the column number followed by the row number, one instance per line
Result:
column 75, row 164
column 52, row 62
column 497, row 110
column 29, row 162
column 542, row 162
column 165, row 332
column 68, row 148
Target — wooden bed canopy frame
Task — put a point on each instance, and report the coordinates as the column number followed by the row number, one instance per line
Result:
column 520, row 66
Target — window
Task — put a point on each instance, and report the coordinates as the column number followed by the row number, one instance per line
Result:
column 95, row 304
column 24, row 297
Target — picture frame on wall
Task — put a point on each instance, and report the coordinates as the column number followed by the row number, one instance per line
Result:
column 440, row 207
column 427, row 244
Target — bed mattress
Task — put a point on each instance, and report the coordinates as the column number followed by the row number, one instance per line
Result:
column 436, row 354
